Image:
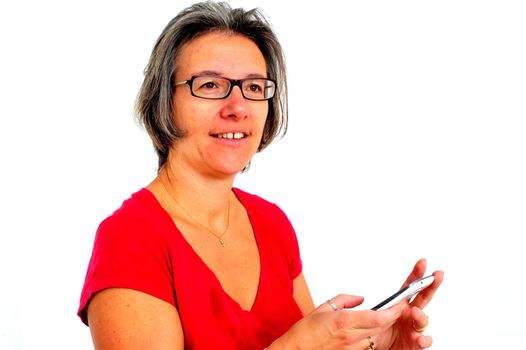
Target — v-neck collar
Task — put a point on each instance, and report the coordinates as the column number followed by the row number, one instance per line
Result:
column 255, row 229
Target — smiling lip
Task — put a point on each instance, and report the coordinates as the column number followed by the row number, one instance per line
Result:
column 231, row 135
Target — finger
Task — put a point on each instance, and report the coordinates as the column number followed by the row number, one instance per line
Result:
column 418, row 272
column 368, row 319
column 420, row 320
column 349, row 301
column 342, row 301
column 368, row 343
column 424, row 341
column 361, row 340
column 424, row 297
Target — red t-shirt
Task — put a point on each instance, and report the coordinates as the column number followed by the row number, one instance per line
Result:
column 140, row 247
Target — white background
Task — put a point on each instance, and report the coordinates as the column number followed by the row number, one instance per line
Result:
column 406, row 140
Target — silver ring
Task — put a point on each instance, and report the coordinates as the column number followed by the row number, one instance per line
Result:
column 332, row 304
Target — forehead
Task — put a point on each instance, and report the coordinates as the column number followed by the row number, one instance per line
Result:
column 231, row 55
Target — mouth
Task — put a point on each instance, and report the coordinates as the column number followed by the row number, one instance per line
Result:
column 231, row 135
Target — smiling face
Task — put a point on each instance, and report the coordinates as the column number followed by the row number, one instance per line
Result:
column 221, row 136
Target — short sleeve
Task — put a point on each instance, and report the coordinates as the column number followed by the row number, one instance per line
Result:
column 290, row 244
column 128, row 253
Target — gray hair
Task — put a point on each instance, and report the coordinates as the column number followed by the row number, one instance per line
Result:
column 154, row 102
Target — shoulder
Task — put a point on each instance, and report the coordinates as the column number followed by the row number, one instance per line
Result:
column 141, row 205
column 253, row 201
column 140, row 217
column 141, row 208
column 266, row 215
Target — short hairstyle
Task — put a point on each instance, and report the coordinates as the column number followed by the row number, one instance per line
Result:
column 154, row 102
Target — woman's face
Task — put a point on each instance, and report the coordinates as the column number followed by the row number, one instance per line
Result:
column 204, row 147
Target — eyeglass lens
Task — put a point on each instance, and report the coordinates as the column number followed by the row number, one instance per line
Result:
column 217, row 87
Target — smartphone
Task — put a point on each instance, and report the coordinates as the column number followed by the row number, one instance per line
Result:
column 405, row 293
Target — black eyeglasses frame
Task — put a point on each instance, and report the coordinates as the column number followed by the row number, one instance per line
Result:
column 233, row 82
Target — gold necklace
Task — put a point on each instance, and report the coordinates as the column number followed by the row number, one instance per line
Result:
column 220, row 236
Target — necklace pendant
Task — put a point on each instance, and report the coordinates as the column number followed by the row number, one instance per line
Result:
column 222, row 243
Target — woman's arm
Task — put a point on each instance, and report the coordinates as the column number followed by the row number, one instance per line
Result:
column 302, row 295
column 122, row 318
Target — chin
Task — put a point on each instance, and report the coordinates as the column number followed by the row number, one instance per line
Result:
column 226, row 170
column 232, row 171
column 229, row 166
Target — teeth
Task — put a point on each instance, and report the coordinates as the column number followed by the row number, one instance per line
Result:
column 231, row 135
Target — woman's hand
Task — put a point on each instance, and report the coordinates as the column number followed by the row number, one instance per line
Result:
column 407, row 332
column 398, row 328
column 329, row 328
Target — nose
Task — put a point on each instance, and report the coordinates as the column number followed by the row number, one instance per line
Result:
column 236, row 106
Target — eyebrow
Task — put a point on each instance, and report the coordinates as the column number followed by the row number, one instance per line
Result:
column 217, row 74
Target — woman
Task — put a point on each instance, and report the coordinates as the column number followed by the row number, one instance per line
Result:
column 191, row 262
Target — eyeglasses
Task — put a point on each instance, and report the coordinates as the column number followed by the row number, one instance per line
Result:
column 214, row 87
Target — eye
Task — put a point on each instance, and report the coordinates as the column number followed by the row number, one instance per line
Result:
column 255, row 88
column 206, row 84
column 210, row 86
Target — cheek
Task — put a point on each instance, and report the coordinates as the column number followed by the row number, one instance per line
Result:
column 178, row 115
column 261, row 116
column 188, row 117
column 263, row 119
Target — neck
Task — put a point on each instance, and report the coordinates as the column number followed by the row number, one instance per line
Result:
column 205, row 198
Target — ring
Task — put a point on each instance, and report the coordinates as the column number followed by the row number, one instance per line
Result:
column 419, row 330
column 371, row 344
column 332, row 304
